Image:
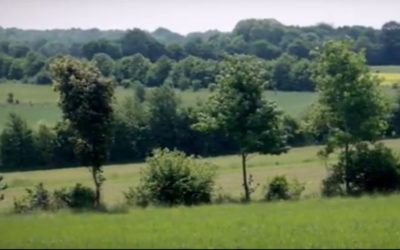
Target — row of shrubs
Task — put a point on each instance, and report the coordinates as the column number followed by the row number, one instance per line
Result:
column 173, row 178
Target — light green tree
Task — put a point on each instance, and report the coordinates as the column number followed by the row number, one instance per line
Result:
column 353, row 106
column 238, row 108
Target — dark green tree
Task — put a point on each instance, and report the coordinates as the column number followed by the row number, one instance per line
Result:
column 44, row 140
column 104, row 63
column 86, row 102
column 17, row 144
column 159, row 71
column 163, row 116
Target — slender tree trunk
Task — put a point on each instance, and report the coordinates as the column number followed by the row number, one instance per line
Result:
column 97, row 184
column 346, row 167
column 245, row 183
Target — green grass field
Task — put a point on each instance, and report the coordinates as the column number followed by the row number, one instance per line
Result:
column 335, row 223
column 38, row 104
column 301, row 163
column 312, row 222
column 390, row 74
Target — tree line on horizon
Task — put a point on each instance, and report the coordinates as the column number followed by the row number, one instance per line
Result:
column 152, row 58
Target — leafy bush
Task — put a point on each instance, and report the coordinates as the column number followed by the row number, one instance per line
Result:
column 173, row 178
column 41, row 199
column 279, row 188
column 38, row 198
column 137, row 196
column 371, row 168
column 77, row 197
column 10, row 98
column 333, row 185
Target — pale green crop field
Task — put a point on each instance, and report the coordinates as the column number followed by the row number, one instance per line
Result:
column 38, row 104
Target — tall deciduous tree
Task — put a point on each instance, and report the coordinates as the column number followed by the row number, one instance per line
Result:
column 237, row 107
column 85, row 99
column 354, row 108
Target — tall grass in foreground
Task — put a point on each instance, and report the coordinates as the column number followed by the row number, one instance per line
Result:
column 336, row 223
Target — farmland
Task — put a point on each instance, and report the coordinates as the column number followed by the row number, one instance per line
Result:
column 316, row 222
column 301, row 163
column 38, row 104
column 336, row 223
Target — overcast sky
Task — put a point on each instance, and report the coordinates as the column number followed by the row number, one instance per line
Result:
column 185, row 16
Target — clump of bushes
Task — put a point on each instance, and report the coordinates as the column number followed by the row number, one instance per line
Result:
column 78, row 197
column 172, row 178
column 39, row 198
column 370, row 168
column 279, row 188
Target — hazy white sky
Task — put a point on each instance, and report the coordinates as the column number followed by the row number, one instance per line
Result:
column 185, row 16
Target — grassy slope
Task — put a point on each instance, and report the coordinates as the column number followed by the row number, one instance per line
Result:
column 336, row 223
column 301, row 163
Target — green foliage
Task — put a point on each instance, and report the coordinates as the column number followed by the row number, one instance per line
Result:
column 10, row 98
column 159, row 71
column 17, row 144
column 78, row 197
column 102, row 46
column 279, row 188
column 367, row 169
column 44, row 140
column 349, row 93
column 139, row 92
column 16, row 70
column 163, row 116
column 131, row 140
column 238, row 108
column 137, row 41
column 332, row 185
column 354, row 108
column 38, row 198
column 192, row 70
column 172, row 178
column 43, row 78
column 85, row 99
column 134, row 68
column 104, row 63
column 394, row 119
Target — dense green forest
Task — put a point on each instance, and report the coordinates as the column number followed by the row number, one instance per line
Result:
column 191, row 61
